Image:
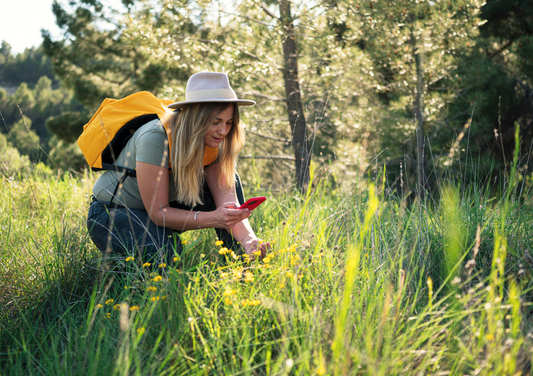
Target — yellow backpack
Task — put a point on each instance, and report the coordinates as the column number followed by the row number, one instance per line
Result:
column 110, row 128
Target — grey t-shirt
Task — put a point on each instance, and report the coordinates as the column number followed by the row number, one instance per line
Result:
column 149, row 145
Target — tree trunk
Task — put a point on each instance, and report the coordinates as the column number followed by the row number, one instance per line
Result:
column 293, row 97
column 418, row 112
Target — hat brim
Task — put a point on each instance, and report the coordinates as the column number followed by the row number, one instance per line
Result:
column 240, row 102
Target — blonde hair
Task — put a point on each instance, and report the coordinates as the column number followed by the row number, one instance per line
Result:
column 187, row 128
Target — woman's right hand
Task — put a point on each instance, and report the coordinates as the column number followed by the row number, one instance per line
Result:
column 227, row 215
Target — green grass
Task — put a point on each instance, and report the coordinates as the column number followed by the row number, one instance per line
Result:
column 359, row 283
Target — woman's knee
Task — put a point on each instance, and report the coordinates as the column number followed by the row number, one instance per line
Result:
column 130, row 231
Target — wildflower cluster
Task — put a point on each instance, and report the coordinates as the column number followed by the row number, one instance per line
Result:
column 245, row 302
column 248, row 276
column 224, row 251
column 229, row 292
column 253, row 302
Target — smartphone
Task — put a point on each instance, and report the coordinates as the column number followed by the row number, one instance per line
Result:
column 252, row 203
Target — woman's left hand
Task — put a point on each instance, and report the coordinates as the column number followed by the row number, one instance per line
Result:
column 256, row 245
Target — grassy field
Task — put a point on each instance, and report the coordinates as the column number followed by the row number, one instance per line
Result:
column 357, row 283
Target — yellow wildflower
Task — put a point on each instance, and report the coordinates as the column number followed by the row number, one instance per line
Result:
column 163, row 297
column 155, row 298
column 223, row 275
column 98, row 306
column 135, row 308
column 227, row 301
column 109, row 302
column 176, row 259
column 141, row 331
column 107, row 315
column 152, row 288
column 289, row 275
column 489, row 337
column 146, row 264
column 157, row 278
column 266, row 260
column 116, row 307
column 162, row 265
column 229, row 292
column 184, row 242
column 219, row 243
column 237, row 274
column 131, row 258
column 321, row 370
column 248, row 277
column 257, row 253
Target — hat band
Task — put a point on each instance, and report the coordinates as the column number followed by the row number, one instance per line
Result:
column 213, row 94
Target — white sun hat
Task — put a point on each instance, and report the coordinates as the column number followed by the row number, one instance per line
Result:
column 210, row 87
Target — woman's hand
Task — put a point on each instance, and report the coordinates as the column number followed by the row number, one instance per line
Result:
column 227, row 215
column 256, row 245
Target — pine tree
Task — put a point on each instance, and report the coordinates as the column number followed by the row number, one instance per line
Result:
column 414, row 47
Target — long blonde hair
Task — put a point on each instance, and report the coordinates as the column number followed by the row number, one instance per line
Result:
column 187, row 128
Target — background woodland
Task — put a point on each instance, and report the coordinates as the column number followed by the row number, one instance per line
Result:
column 412, row 87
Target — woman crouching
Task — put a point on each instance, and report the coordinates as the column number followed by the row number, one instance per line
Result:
column 144, row 215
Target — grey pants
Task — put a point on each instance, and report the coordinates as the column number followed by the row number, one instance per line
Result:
column 131, row 232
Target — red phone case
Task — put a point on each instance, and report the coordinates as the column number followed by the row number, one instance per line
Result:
column 253, row 203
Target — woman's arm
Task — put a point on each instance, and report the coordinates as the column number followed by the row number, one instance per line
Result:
column 242, row 231
column 153, row 184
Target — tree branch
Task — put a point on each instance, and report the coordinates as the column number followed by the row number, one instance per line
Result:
column 501, row 49
column 268, row 12
column 246, row 18
column 258, row 94
column 284, row 140
column 279, row 157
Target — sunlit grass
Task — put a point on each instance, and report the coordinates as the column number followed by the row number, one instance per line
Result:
column 356, row 283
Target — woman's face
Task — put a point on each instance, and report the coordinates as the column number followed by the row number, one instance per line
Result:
column 219, row 128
